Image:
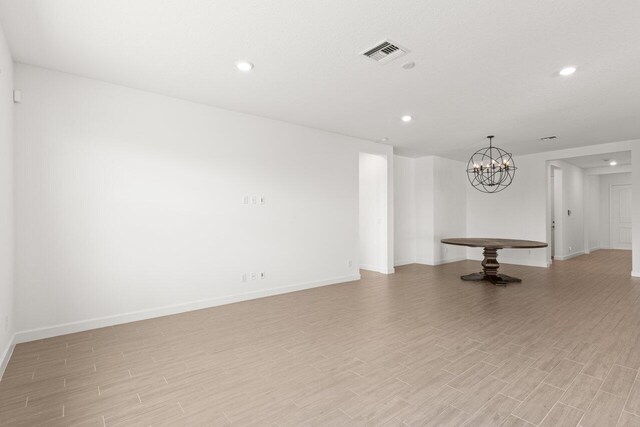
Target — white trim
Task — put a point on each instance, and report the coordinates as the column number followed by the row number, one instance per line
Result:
column 378, row 269
column 448, row 261
column 404, row 262
column 444, row 261
column 566, row 257
column 373, row 268
column 101, row 322
column 635, row 274
column 4, row 360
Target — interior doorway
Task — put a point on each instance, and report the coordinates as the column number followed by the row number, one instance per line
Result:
column 589, row 204
column 373, row 213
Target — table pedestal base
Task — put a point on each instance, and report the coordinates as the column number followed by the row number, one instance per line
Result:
column 498, row 279
column 490, row 270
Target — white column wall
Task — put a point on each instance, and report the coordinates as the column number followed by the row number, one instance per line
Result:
column 405, row 210
column 7, row 303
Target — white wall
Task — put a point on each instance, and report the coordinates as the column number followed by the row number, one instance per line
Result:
column 424, row 199
column 439, row 203
column 404, row 210
column 606, row 181
column 593, row 219
column 130, row 204
column 450, row 208
column 574, row 178
column 635, row 178
column 373, row 212
column 557, row 223
column 6, row 203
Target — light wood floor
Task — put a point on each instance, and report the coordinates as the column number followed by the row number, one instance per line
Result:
column 419, row 347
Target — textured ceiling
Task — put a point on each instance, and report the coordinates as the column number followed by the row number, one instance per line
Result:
column 482, row 67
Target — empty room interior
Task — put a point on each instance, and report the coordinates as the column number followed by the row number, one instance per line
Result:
column 319, row 213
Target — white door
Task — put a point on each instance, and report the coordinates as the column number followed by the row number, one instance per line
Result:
column 620, row 197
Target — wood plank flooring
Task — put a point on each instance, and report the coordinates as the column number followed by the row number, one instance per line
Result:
column 420, row 347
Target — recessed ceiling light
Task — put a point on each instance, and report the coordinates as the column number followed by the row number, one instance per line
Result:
column 613, row 163
column 385, row 139
column 408, row 65
column 244, row 66
column 567, row 71
column 407, row 119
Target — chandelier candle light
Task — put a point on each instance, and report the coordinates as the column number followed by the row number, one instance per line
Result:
column 491, row 169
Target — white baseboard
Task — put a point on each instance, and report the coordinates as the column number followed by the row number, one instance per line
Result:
column 440, row 262
column 447, row 261
column 377, row 269
column 6, row 355
column 404, row 262
column 635, row 274
column 101, row 322
column 566, row 257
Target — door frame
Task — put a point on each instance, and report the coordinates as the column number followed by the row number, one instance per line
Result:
column 554, row 201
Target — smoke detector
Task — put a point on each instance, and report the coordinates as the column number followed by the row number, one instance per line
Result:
column 385, row 52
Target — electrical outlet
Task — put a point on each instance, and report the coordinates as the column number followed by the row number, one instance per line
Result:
column 245, row 200
column 350, row 263
column 253, row 276
column 262, row 200
column 244, row 277
column 570, row 248
column 254, row 200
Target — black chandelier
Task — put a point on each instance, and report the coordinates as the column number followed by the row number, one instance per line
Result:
column 491, row 169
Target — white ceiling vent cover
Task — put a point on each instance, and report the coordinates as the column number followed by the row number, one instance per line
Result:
column 385, row 52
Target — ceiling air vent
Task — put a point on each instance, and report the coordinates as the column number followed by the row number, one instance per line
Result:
column 548, row 138
column 385, row 52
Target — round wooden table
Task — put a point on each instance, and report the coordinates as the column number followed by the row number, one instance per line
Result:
column 490, row 263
